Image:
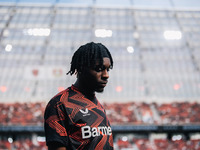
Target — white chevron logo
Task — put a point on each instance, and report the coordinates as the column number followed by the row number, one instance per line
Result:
column 85, row 112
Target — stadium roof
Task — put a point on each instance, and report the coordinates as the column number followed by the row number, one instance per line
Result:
column 138, row 3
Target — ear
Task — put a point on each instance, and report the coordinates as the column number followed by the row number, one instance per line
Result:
column 82, row 72
column 78, row 74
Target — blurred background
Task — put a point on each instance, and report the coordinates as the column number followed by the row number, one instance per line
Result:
column 152, row 98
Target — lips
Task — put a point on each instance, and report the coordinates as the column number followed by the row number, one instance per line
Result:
column 103, row 84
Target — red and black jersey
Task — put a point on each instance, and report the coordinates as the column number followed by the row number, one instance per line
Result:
column 76, row 122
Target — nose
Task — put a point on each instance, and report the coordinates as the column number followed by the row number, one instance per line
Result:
column 105, row 74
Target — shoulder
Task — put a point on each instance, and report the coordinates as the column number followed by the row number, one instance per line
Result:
column 60, row 95
column 57, row 100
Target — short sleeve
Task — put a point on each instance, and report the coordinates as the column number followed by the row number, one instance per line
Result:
column 55, row 124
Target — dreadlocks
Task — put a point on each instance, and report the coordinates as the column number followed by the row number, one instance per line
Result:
column 87, row 55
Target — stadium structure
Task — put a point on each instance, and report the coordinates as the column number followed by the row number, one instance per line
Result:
column 152, row 98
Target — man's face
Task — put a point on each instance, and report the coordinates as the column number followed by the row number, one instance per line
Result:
column 96, row 78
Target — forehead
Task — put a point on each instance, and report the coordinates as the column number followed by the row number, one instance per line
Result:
column 106, row 61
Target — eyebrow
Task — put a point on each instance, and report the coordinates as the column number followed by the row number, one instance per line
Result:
column 102, row 66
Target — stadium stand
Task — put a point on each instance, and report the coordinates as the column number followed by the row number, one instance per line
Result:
column 118, row 113
column 23, row 144
column 37, row 42
column 141, row 144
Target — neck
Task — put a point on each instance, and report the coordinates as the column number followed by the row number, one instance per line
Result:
column 84, row 89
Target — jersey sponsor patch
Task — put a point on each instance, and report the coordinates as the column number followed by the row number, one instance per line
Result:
column 88, row 132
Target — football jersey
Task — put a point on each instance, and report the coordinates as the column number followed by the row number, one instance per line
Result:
column 77, row 122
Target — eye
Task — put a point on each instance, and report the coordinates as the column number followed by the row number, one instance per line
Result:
column 108, row 69
column 98, row 68
column 101, row 68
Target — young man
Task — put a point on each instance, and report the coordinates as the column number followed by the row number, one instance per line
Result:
column 74, row 118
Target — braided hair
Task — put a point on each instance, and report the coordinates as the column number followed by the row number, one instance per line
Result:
column 87, row 55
